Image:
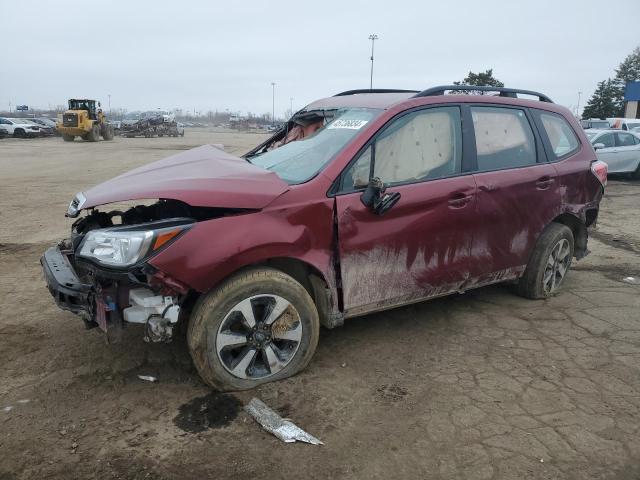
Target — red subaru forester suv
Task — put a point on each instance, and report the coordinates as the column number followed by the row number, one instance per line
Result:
column 363, row 201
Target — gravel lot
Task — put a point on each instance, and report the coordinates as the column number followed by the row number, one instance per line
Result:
column 484, row 385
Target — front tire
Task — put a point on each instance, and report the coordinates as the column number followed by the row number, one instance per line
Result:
column 549, row 263
column 94, row 134
column 258, row 326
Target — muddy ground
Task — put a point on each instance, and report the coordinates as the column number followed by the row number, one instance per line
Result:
column 484, row 385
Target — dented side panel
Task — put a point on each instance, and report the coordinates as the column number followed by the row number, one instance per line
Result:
column 420, row 248
column 214, row 249
column 514, row 207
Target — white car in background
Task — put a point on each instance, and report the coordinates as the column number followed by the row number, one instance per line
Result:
column 20, row 127
column 620, row 150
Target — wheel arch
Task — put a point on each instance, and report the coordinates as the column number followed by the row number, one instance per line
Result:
column 314, row 282
column 579, row 230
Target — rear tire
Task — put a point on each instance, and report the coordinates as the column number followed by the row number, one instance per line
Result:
column 549, row 263
column 68, row 138
column 107, row 134
column 285, row 342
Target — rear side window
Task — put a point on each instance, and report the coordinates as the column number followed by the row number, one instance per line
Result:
column 561, row 136
column 625, row 139
column 504, row 138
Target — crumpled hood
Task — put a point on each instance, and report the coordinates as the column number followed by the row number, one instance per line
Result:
column 202, row 177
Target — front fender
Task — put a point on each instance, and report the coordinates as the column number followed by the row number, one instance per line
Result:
column 214, row 249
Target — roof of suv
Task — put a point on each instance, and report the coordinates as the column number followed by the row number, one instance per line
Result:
column 385, row 98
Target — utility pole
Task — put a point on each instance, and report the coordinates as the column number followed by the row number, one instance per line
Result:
column 109, row 104
column 273, row 102
column 373, row 37
column 291, row 105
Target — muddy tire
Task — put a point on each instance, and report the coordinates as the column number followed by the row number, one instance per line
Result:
column 258, row 326
column 107, row 133
column 549, row 263
column 68, row 138
column 94, row 134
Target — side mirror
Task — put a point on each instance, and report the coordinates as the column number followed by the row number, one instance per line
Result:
column 375, row 198
column 598, row 146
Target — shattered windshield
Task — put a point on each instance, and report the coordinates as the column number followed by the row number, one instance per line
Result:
column 299, row 160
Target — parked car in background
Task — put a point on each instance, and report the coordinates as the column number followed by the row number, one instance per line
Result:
column 620, row 150
column 594, row 123
column 20, row 127
column 117, row 126
column 45, row 130
column 180, row 128
column 44, row 121
column 365, row 201
column 623, row 123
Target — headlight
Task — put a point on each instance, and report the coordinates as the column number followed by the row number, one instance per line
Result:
column 121, row 248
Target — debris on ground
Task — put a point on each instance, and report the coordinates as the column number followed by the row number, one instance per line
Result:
column 273, row 423
column 632, row 280
column 148, row 378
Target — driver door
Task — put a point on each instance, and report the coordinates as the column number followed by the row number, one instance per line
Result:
column 420, row 248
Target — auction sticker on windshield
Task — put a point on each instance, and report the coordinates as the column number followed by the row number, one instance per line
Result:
column 350, row 124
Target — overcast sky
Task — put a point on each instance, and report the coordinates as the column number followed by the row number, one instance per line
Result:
column 212, row 55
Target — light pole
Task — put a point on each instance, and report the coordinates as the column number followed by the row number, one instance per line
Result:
column 578, row 107
column 291, row 105
column 373, row 37
column 109, row 95
column 273, row 102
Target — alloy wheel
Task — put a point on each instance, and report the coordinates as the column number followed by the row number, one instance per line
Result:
column 259, row 337
column 557, row 266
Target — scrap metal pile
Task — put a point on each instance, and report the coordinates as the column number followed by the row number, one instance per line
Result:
column 159, row 125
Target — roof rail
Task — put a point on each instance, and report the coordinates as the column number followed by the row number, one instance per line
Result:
column 504, row 92
column 374, row 90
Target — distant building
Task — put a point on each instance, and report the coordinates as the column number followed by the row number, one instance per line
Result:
column 632, row 100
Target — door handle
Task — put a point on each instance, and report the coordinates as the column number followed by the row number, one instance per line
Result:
column 544, row 182
column 459, row 200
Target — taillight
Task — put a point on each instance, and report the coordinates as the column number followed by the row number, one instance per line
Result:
column 599, row 169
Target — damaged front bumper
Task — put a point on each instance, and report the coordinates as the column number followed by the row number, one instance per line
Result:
column 110, row 304
column 63, row 283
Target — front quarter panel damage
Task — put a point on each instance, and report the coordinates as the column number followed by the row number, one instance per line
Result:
column 213, row 250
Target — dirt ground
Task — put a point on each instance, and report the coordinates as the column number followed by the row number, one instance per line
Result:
column 484, row 385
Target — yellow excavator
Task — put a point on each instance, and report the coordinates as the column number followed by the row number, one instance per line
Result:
column 83, row 120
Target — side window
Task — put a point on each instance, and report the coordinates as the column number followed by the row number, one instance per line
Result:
column 624, row 139
column 504, row 138
column 607, row 140
column 561, row 136
column 422, row 145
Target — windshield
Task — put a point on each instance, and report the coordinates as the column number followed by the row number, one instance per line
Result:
column 298, row 161
column 632, row 125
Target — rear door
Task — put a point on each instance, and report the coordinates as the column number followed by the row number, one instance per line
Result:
column 420, row 248
column 518, row 191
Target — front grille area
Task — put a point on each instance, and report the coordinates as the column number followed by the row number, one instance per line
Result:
column 70, row 120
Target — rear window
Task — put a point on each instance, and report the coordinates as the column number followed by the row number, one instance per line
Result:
column 561, row 136
column 504, row 138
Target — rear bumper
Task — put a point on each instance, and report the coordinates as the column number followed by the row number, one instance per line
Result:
column 63, row 283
